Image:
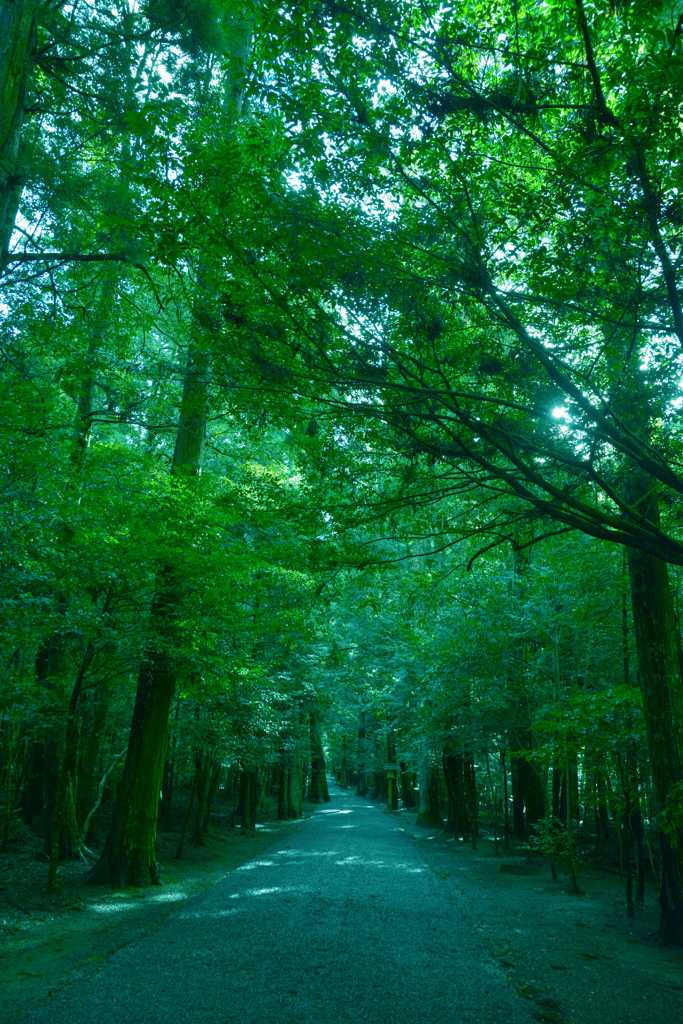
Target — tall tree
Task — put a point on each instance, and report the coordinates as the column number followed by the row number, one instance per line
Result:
column 129, row 854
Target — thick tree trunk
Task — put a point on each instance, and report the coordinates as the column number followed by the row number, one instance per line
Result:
column 528, row 789
column 32, row 802
column 429, row 815
column 659, row 671
column 129, row 854
column 17, row 53
column 317, row 787
column 517, row 777
column 458, row 820
column 248, row 800
column 294, row 789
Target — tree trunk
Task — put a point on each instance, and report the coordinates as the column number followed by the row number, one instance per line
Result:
column 317, row 787
column 409, row 796
column 602, row 808
column 64, row 839
column 18, row 37
column 528, row 789
column 343, row 771
column 429, row 815
column 294, row 789
column 659, row 672
column 90, row 770
column 517, row 774
column 129, row 851
column 281, row 778
column 129, row 854
column 32, row 801
column 506, row 809
column 248, row 800
column 361, row 780
column 203, row 784
column 392, row 787
column 472, row 797
column 214, row 779
column 458, row 820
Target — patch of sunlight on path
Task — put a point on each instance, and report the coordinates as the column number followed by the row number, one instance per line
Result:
column 340, row 924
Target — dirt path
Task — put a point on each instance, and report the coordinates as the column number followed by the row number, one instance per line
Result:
column 355, row 914
column 341, row 922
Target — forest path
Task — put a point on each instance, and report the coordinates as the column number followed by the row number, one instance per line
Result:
column 341, row 923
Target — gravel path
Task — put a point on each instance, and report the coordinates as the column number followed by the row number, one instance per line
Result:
column 342, row 923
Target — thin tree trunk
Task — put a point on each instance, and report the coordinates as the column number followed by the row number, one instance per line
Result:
column 343, row 771
column 392, row 787
column 67, row 773
column 506, row 807
column 203, row 772
column 317, row 787
column 361, row 780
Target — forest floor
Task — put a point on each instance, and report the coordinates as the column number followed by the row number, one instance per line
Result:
column 572, row 959
column 578, row 959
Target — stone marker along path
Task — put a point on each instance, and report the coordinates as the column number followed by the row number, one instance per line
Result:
column 341, row 923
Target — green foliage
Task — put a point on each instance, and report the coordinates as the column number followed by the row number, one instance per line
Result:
column 549, row 836
column 672, row 816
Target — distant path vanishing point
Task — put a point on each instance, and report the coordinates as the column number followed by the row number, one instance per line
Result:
column 341, row 923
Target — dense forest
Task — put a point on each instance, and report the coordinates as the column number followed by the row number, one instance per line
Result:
column 340, row 413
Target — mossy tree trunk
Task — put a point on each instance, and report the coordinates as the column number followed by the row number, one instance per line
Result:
column 129, row 854
column 18, row 36
column 661, row 682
